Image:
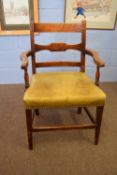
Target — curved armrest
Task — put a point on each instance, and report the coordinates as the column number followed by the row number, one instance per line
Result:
column 24, row 58
column 96, row 57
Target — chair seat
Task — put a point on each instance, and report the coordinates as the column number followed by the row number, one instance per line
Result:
column 62, row 89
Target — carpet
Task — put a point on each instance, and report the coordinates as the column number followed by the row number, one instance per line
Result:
column 59, row 152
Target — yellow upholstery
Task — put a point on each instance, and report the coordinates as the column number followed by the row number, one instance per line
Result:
column 62, row 89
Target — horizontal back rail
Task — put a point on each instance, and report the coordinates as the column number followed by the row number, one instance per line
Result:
column 58, row 64
column 58, row 47
column 53, row 47
column 56, row 27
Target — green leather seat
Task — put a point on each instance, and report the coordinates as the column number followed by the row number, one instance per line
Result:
column 62, row 89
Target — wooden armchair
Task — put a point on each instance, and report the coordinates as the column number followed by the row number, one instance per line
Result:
column 61, row 89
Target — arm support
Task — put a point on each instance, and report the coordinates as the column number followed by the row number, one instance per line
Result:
column 24, row 58
column 99, row 63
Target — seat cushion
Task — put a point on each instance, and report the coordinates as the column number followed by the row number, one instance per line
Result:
column 62, row 89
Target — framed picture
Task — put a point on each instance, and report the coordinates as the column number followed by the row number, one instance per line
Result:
column 16, row 15
column 99, row 14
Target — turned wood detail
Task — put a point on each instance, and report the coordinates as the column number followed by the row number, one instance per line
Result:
column 97, row 75
column 26, row 78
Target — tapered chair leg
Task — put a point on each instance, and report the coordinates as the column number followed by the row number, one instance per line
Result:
column 79, row 111
column 99, row 113
column 29, row 127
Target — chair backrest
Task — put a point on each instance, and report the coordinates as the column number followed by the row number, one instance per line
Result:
column 56, row 27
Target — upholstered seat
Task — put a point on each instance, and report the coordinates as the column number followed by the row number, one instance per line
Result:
column 62, row 89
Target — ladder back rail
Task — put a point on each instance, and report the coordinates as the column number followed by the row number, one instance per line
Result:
column 58, row 64
column 56, row 27
column 57, row 47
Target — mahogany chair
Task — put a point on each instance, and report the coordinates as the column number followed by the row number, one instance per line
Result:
column 61, row 89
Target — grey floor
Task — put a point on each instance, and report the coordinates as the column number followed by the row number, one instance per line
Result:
column 60, row 152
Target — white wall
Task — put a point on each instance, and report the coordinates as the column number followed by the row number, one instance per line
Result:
column 53, row 11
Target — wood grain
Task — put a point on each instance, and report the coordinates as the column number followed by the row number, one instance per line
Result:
column 57, row 27
column 58, row 64
column 58, row 47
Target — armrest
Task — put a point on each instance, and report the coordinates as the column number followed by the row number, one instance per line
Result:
column 24, row 58
column 96, row 57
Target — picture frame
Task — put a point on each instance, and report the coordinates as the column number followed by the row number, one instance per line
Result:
column 99, row 14
column 15, row 16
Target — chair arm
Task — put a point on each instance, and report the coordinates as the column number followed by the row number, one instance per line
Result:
column 96, row 57
column 24, row 58
column 99, row 63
